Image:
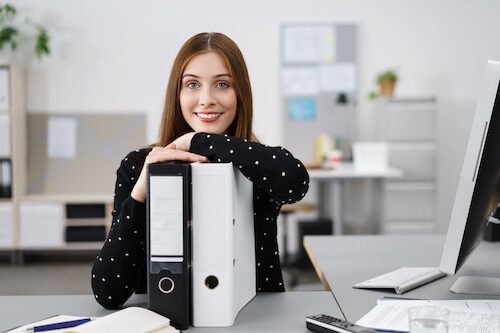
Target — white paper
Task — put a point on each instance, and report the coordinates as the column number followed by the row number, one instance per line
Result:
column 466, row 316
column 338, row 77
column 306, row 44
column 4, row 89
column 61, row 137
column 5, row 135
column 300, row 81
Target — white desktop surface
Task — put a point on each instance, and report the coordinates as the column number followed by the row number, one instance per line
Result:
column 267, row 312
column 346, row 170
column 331, row 182
column 342, row 261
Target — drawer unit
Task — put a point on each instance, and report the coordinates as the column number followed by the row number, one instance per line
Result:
column 41, row 224
column 408, row 125
column 6, row 224
column 416, row 160
column 406, row 120
column 409, row 201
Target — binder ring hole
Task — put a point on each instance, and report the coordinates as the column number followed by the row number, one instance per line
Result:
column 211, row 282
column 166, row 285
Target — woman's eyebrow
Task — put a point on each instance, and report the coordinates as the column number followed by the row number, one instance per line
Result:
column 195, row 76
column 215, row 76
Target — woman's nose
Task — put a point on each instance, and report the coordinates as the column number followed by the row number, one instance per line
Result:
column 207, row 97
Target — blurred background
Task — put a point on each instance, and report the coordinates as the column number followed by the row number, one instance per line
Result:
column 112, row 59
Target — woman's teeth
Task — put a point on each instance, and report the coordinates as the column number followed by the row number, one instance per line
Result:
column 208, row 115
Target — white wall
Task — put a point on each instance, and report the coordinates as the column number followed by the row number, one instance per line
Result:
column 115, row 55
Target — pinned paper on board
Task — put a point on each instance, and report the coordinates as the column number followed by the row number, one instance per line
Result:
column 305, row 44
column 302, row 109
column 61, row 137
column 300, row 81
column 338, row 77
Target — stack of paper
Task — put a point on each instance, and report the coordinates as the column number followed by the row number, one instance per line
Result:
column 471, row 316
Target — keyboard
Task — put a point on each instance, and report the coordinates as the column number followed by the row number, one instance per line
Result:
column 402, row 279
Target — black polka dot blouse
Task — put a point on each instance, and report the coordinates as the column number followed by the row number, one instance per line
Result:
column 120, row 268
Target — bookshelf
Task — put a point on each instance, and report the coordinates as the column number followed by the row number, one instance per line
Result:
column 51, row 203
column 12, row 151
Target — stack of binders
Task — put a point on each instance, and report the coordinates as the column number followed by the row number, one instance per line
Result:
column 201, row 245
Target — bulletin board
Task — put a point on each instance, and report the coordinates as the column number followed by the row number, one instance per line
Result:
column 80, row 153
column 318, row 85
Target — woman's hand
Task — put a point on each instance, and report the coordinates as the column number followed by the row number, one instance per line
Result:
column 164, row 154
column 183, row 142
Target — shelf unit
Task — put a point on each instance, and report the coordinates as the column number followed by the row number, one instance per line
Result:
column 76, row 215
column 408, row 125
column 12, row 151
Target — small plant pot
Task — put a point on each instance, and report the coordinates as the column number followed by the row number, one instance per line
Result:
column 387, row 87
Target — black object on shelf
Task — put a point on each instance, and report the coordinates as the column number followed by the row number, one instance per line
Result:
column 85, row 233
column 85, row 211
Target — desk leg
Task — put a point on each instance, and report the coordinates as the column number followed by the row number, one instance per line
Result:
column 338, row 206
column 324, row 199
column 332, row 207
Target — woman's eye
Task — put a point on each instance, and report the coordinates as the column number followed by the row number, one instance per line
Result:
column 192, row 85
column 222, row 85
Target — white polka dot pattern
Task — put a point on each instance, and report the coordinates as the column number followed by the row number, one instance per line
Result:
column 120, row 268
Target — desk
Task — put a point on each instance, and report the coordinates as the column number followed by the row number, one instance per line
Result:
column 267, row 312
column 332, row 180
column 342, row 261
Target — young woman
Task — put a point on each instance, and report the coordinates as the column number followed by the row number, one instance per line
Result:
column 207, row 116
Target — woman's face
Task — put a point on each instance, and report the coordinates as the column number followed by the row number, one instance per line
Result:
column 207, row 97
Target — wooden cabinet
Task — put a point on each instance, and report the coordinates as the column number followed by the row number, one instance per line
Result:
column 54, row 203
column 12, row 151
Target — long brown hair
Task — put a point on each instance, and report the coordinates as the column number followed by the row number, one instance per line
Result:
column 173, row 124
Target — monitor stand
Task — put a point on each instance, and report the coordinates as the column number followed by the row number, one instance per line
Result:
column 476, row 285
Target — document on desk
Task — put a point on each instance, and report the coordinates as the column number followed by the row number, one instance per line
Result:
column 466, row 316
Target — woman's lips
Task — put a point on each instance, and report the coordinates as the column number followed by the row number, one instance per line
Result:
column 208, row 117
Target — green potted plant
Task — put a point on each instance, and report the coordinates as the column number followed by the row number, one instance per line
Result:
column 10, row 35
column 387, row 80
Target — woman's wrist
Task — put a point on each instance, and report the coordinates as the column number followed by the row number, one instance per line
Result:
column 138, row 194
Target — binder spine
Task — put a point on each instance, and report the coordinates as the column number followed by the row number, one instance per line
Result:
column 169, row 241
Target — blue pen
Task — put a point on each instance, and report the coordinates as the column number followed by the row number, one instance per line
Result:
column 57, row 326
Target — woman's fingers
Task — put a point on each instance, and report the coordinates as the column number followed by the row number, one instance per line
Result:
column 164, row 154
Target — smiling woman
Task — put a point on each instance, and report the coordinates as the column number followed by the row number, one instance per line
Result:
column 207, row 116
column 208, row 98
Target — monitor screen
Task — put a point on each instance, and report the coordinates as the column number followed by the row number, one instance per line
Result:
column 478, row 191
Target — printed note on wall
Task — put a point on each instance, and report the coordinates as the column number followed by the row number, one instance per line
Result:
column 61, row 137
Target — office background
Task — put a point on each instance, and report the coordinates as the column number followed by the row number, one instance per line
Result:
column 115, row 56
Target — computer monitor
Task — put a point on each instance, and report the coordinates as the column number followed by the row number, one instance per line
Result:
column 478, row 191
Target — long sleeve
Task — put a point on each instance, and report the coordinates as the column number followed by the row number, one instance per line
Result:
column 273, row 169
column 120, row 267
column 278, row 178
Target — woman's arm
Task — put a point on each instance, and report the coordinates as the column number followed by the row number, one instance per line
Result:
column 121, row 262
column 273, row 169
